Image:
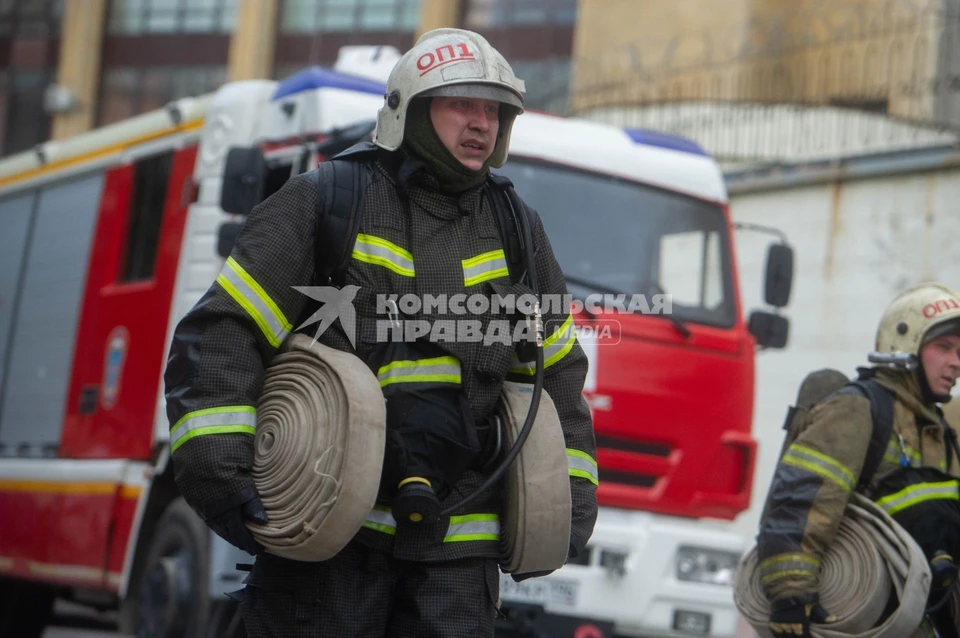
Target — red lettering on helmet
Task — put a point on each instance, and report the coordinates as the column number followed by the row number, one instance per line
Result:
column 449, row 49
column 426, row 66
column 941, row 305
column 445, row 54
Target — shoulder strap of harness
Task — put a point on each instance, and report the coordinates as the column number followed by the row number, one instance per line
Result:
column 510, row 212
column 341, row 183
column 881, row 414
column 950, row 438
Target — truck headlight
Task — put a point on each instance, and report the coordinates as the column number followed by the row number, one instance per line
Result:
column 714, row 567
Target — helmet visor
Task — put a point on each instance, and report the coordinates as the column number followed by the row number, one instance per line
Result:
column 476, row 90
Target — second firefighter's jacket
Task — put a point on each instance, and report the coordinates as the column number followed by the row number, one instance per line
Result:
column 412, row 240
column 819, row 470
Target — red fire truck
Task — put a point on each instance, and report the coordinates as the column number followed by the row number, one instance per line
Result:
column 108, row 238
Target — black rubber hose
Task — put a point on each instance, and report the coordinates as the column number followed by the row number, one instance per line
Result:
column 511, row 456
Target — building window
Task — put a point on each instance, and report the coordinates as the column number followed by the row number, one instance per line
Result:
column 27, row 124
column 147, row 202
column 127, row 91
column 305, row 16
column 547, row 83
column 484, row 14
column 131, row 17
column 31, row 18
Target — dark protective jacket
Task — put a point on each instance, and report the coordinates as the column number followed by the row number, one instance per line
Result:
column 412, row 240
column 818, row 471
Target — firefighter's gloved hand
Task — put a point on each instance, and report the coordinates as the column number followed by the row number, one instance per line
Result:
column 791, row 617
column 519, row 578
column 228, row 519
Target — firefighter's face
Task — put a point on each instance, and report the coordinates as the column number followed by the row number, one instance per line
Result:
column 467, row 126
column 941, row 362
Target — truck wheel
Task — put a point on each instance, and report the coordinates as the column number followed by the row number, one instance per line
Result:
column 173, row 588
column 25, row 608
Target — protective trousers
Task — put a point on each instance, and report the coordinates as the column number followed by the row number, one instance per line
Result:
column 360, row 592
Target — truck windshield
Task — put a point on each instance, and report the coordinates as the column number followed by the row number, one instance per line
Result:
column 612, row 235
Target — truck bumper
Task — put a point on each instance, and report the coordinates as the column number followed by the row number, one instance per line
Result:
column 629, row 579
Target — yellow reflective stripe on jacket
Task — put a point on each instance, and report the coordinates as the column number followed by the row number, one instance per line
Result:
column 252, row 298
column 380, row 252
column 582, row 464
column 809, row 459
column 473, row 527
column 435, row 370
column 555, row 348
column 484, row 267
column 783, row 565
column 467, row 528
column 894, row 453
column 231, row 419
column 919, row 493
column 381, row 520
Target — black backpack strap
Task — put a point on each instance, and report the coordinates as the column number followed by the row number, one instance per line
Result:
column 510, row 212
column 340, row 187
column 881, row 414
column 950, row 440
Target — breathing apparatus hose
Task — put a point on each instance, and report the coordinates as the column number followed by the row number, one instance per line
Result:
column 531, row 274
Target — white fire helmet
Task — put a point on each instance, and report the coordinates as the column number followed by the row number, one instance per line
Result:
column 917, row 316
column 450, row 62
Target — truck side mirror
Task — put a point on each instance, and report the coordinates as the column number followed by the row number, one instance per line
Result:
column 227, row 237
column 779, row 278
column 768, row 329
column 244, row 177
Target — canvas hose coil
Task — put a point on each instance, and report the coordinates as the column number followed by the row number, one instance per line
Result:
column 871, row 557
column 536, row 528
column 318, row 450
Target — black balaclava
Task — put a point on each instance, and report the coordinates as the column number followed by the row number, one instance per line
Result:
column 926, row 393
column 421, row 138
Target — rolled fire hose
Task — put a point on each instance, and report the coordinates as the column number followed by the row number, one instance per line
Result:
column 318, row 450
column 535, row 533
column 871, row 557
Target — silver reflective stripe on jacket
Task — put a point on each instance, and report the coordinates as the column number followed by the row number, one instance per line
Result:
column 582, row 464
column 433, row 370
column 919, row 493
column 466, row 528
column 233, row 419
column 485, row 267
column 378, row 251
column 809, row 459
column 254, row 299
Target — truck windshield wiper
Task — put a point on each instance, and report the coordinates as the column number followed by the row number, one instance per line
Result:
column 603, row 288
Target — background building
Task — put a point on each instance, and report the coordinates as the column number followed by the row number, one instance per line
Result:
column 762, row 80
column 70, row 65
column 751, row 80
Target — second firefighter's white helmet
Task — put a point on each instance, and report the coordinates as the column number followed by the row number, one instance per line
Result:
column 456, row 63
column 916, row 316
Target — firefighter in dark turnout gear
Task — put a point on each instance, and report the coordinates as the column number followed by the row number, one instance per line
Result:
column 918, row 347
column 428, row 227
